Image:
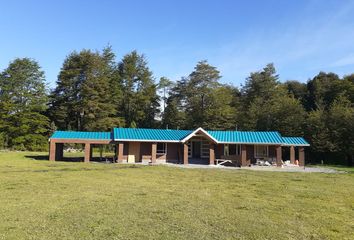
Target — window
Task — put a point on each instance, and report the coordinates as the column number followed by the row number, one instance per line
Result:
column 226, row 149
column 232, row 149
column 161, row 148
column 260, row 151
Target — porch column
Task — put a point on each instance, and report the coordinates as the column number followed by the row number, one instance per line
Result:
column 52, row 150
column 87, row 152
column 301, row 156
column 244, row 155
column 120, row 150
column 153, row 152
column 211, row 154
column 185, row 153
column 292, row 154
column 278, row 156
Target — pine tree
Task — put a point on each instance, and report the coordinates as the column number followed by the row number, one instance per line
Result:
column 86, row 94
column 140, row 102
column 23, row 102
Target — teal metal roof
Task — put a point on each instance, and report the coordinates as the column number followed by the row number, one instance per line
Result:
column 145, row 134
column 172, row 135
column 295, row 141
column 81, row 135
column 247, row 137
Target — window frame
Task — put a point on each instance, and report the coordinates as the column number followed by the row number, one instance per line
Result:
column 256, row 152
column 163, row 150
column 227, row 149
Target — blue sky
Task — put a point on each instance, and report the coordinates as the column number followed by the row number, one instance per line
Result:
column 300, row 37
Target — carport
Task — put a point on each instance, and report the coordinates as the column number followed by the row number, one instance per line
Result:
column 88, row 139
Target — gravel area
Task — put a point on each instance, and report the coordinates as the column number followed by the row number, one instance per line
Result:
column 260, row 168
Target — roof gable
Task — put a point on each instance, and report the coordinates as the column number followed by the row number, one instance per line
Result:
column 199, row 130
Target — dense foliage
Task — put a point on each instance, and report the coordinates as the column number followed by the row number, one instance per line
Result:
column 95, row 92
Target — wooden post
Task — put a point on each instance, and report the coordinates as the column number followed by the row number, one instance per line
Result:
column 120, row 152
column 87, row 152
column 153, row 152
column 244, row 155
column 211, row 154
column 52, row 151
column 185, row 153
column 292, row 154
column 101, row 152
column 301, row 156
column 278, row 156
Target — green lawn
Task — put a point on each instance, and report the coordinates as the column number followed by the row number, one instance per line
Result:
column 63, row 200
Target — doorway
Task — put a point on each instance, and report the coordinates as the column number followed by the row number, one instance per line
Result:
column 196, row 146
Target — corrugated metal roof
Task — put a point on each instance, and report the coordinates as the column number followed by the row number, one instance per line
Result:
column 81, row 135
column 172, row 135
column 146, row 134
column 247, row 137
column 295, row 141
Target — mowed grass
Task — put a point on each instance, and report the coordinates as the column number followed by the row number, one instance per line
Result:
column 63, row 200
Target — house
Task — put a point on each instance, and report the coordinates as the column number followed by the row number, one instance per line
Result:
column 183, row 146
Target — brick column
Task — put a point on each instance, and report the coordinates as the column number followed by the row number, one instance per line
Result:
column 153, row 152
column 244, row 155
column 301, row 156
column 292, row 154
column 120, row 151
column 212, row 154
column 278, row 156
column 87, row 152
column 185, row 153
column 52, row 150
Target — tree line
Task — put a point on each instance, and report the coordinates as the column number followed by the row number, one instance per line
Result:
column 96, row 92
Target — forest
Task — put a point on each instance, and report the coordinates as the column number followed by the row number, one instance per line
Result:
column 95, row 91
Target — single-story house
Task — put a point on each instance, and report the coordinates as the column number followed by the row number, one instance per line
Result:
column 184, row 146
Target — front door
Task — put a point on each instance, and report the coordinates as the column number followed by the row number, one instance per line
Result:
column 196, row 149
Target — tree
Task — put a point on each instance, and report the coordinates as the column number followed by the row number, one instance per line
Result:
column 85, row 97
column 23, row 100
column 140, row 101
column 199, row 90
column 262, row 84
column 220, row 113
column 341, row 125
column 201, row 101
column 164, row 86
column 318, row 133
column 298, row 90
column 174, row 115
column 322, row 90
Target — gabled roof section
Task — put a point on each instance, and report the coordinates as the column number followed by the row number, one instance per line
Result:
column 295, row 141
column 81, row 135
column 247, row 137
column 199, row 130
column 149, row 135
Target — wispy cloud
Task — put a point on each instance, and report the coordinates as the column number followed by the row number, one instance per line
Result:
column 305, row 47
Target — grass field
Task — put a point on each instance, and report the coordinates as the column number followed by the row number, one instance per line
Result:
column 65, row 200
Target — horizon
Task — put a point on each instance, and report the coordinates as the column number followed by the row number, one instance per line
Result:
column 301, row 38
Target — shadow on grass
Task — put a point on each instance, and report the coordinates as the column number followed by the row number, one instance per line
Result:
column 69, row 159
column 46, row 158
